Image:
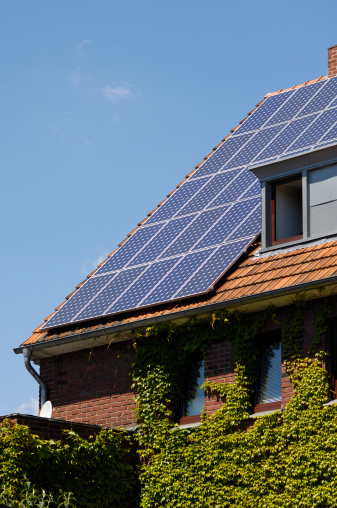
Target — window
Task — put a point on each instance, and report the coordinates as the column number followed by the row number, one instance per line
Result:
column 286, row 210
column 191, row 409
column 323, row 200
column 268, row 394
column 299, row 197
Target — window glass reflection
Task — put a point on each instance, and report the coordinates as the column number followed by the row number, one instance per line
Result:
column 269, row 378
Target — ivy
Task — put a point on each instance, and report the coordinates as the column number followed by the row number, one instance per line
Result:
column 292, row 340
column 98, row 472
column 321, row 325
column 286, row 459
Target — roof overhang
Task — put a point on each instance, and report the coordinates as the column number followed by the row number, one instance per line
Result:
column 121, row 332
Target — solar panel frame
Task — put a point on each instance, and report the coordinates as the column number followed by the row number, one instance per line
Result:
column 222, row 187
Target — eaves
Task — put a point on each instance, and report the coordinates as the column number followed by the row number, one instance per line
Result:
column 120, row 332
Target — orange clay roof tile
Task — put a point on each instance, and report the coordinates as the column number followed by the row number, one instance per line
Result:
column 250, row 275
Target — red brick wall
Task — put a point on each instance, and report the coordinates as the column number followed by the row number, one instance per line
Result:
column 219, row 362
column 219, row 368
column 95, row 387
column 332, row 61
column 91, row 386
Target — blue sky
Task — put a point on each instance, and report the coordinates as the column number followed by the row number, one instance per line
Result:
column 105, row 107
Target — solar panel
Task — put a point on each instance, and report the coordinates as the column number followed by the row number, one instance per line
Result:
column 204, row 226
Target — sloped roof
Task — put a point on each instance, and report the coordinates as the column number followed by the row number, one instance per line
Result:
column 251, row 276
column 255, row 278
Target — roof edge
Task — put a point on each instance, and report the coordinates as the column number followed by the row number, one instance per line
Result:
column 182, row 314
column 321, row 78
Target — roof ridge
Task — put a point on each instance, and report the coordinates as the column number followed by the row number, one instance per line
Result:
column 321, row 78
column 177, row 187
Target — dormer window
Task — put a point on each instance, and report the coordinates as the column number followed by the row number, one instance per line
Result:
column 299, row 198
column 286, row 210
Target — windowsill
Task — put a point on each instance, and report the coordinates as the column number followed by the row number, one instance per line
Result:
column 268, row 406
column 188, row 425
column 268, row 412
column 290, row 239
column 186, row 420
column 297, row 242
column 331, row 402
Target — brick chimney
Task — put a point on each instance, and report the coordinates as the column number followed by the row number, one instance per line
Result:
column 332, row 61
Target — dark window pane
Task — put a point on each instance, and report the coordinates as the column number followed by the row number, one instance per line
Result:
column 269, row 382
column 194, row 406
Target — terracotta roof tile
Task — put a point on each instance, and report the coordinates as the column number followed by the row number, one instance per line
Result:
column 249, row 276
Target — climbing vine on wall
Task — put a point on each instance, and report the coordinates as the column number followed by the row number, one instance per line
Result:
column 321, row 323
column 97, row 472
column 284, row 460
column 292, row 339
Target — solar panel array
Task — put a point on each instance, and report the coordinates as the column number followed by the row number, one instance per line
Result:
column 204, row 226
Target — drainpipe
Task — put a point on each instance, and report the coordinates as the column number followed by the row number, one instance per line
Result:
column 43, row 389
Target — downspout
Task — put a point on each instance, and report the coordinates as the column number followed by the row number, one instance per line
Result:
column 43, row 389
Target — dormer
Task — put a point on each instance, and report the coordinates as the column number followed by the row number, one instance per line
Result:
column 299, row 198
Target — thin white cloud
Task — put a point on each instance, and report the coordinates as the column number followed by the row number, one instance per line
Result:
column 115, row 118
column 87, row 143
column 74, row 77
column 55, row 131
column 30, row 408
column 80, row 47
column 88, row 266
column 119, row 92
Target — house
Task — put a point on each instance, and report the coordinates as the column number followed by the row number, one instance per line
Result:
column 253, row 225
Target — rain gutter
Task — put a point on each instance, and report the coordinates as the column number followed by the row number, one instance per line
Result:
column 27, row 353
column 188, row 313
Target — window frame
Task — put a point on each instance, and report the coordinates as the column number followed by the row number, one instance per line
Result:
column 194, row 418
column 263, row 341
column 270, row 173
column 273, row 211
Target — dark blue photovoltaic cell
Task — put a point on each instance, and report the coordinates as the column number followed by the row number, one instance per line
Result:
column 332, row 133
column 251, row 150
column 82, row 296
column 253, row 190
column 237, row 189
column 286, row 137
column 214, row 187
column 316, row 130
column 324, row 99
column 225, row 255
column 103, row 300
column 176, row 201
column 174, row 280
column 232, row 218
column 129, row 249
column 333, row 104
column 202, row 228
column 291, row 154
column 293, row 106
column 222, row 155
column 326, row 95
column 249, row 226
column 133, row 296
column 167, row 235
column 263, row 112
column 325, row 144
column 193, row 233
